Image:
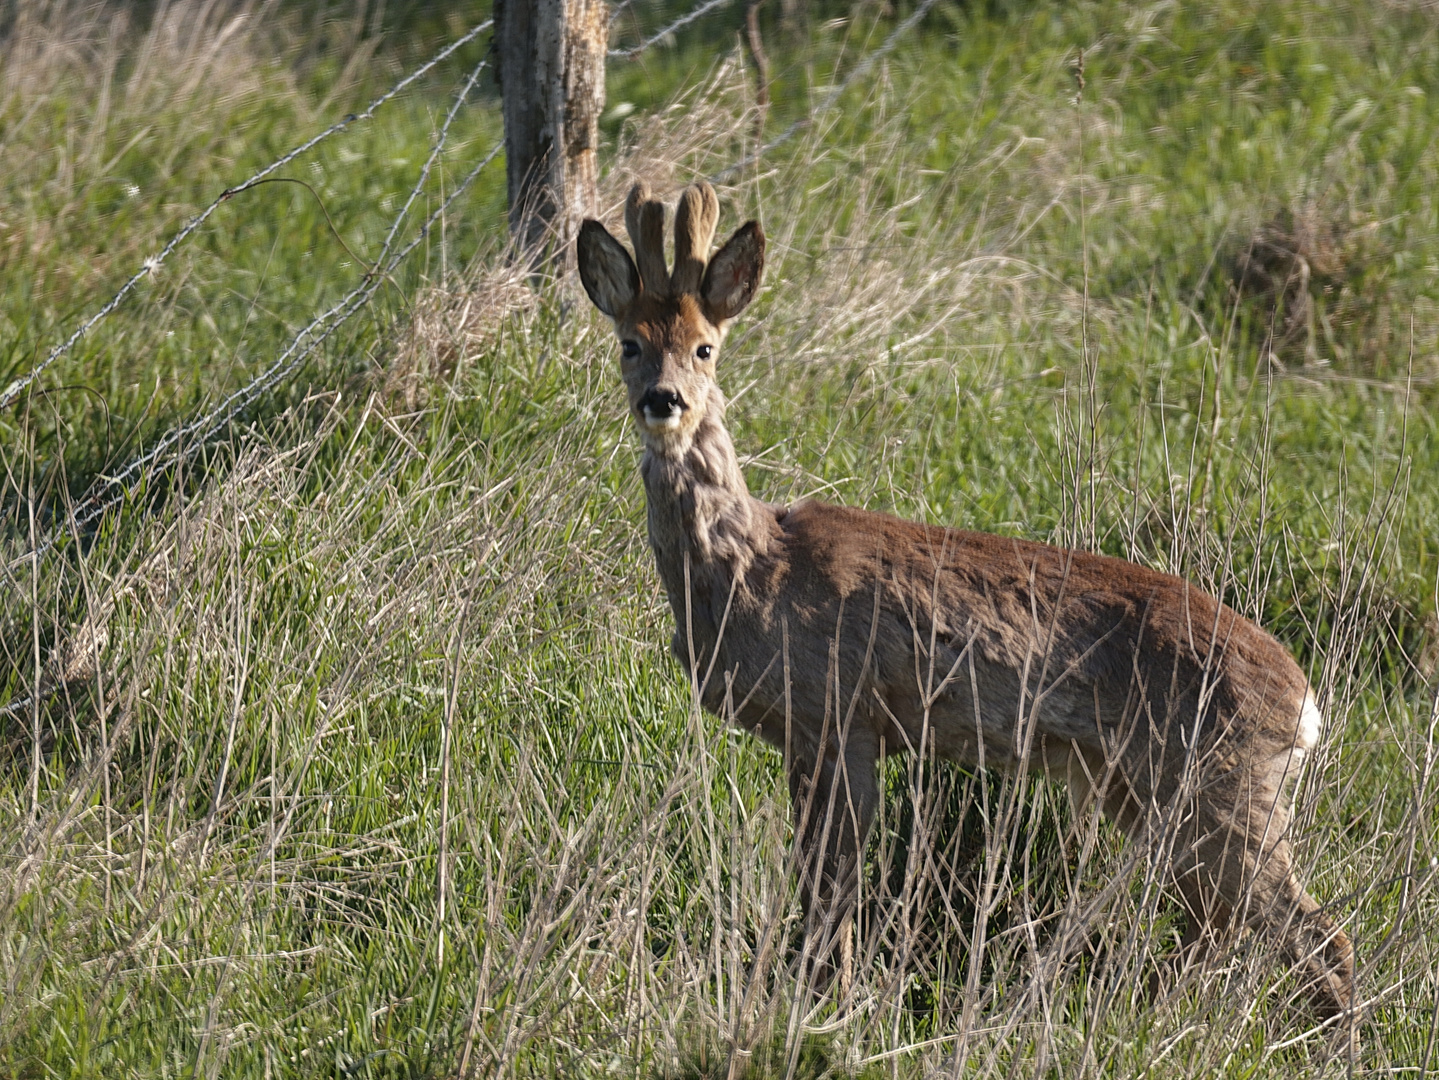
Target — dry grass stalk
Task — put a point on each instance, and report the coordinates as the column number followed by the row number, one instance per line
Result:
column 450, row 324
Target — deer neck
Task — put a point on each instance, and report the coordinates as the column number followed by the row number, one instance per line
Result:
column 703, row 522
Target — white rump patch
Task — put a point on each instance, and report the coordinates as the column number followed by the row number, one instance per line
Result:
column 1306, row 737
column 1310, row 721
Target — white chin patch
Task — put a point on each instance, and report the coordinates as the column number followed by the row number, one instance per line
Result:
column 667, row 423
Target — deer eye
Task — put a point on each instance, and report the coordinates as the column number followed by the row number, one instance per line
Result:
column 703, row 352
column 629, row 349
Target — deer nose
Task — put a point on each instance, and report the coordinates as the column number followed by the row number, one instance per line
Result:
column 661, row 404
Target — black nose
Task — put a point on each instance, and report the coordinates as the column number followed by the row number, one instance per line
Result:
column 661, row 403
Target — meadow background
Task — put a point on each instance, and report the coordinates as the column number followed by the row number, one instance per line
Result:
column 345, row 742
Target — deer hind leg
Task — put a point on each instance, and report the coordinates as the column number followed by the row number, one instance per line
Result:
column 1235, row 872
column 1092, row 784
column 1233, row 869
column 1317, row 947
column 1209, row 926
column 835, row 796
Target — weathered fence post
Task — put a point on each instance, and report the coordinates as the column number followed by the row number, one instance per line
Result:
column 551, row 56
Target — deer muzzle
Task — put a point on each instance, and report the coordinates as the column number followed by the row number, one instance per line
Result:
column 662, row 409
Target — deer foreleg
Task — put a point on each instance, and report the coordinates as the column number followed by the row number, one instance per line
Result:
column 835, row 797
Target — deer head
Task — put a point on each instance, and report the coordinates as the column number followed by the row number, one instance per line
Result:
column 671, row 323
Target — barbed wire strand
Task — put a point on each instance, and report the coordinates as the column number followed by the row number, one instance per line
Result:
column 203, row 428
column 684, row 20
column 154, row 262
column 436, row 150
column 193, row 436
column 833, row 96
column 226, row 410
column 94, row 507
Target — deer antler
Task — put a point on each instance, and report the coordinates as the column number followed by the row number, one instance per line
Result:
column 695, row 222
column 645, row 220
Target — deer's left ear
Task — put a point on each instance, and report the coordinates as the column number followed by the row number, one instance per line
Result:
column 608, row 272
column 733, row 275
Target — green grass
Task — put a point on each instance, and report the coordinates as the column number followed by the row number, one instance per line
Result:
column 383, row 766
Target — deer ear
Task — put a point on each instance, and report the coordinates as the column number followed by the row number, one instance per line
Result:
column 733, row 275
column 608, row 272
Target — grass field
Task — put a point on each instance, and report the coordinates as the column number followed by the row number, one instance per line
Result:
column 359, row 751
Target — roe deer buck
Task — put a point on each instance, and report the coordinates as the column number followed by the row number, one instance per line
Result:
column 821, row 628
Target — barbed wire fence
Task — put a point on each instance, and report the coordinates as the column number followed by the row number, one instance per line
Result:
column 180, row 445
column 154, row 262
column 310, row 337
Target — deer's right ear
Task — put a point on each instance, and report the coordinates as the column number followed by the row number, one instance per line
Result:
column 608, row 272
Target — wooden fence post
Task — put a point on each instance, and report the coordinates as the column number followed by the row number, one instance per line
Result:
column 551, row 57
